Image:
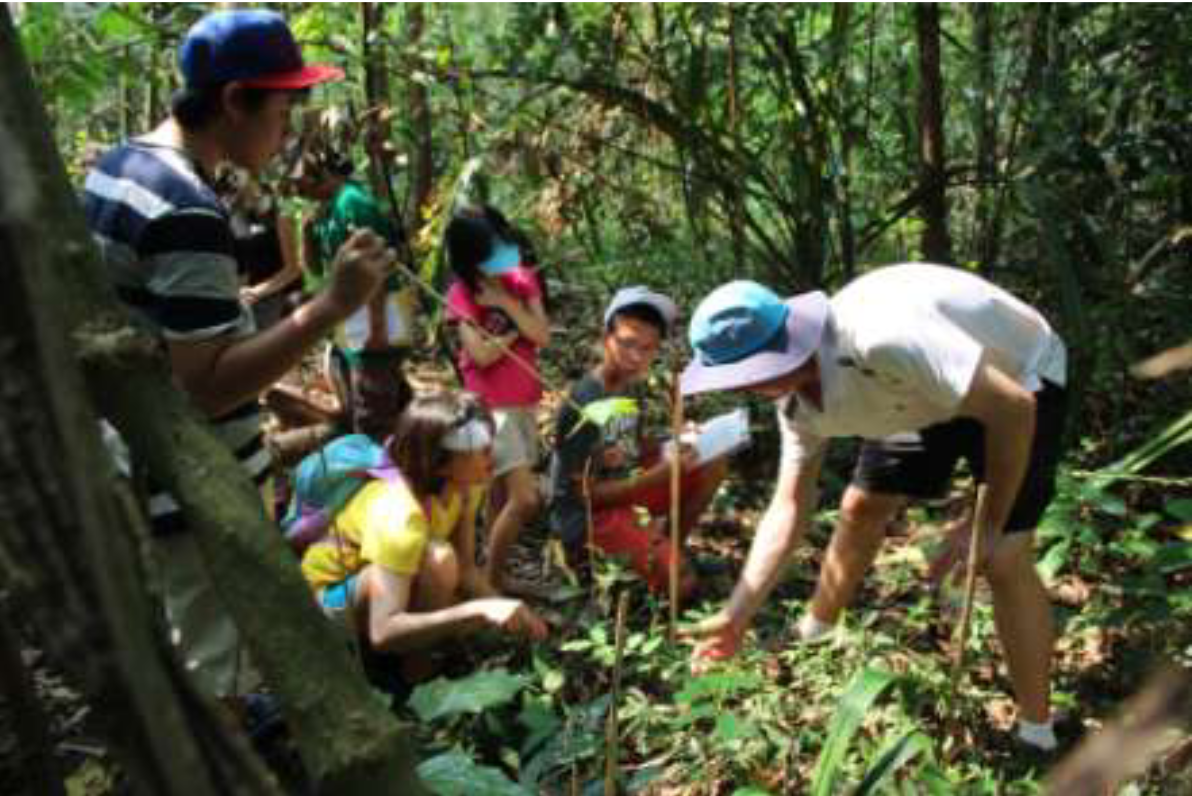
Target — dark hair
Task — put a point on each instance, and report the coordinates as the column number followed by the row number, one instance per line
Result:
column 639, row 312
column 417, row 445
column 471, row 237
column 196, row 107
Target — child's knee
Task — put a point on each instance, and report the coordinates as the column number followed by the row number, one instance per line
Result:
column 528, row 502
column 525, row 497
column 440, row 569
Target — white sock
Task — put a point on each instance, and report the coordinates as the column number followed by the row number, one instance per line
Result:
column 1041, row 736
column 812, row 630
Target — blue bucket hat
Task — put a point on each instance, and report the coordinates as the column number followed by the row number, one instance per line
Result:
column 254, row 47
column 744, row 334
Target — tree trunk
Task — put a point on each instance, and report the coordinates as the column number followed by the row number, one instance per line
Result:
column 841, row 39
column 376, row 94
column 985, row 121
column 66, row 549
column 421, row 123
column 736, row 200
column 936, row 245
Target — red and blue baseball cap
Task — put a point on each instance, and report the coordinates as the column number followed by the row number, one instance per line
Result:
column 254, row 47
column 744, row 334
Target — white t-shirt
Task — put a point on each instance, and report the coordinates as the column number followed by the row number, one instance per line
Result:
column 901, row 348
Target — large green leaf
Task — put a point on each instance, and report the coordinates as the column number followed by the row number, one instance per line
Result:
column 601, row 413
column 1180, row 508
column 456, row 774
column 718, row 686
column 864, row 689
column 1173, row 436
column 894, row 756
column 1172, row 557
column 473, row 694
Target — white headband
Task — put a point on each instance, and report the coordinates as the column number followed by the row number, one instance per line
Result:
column 471, row 436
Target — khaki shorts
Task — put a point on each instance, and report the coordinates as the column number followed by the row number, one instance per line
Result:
column 516, row 444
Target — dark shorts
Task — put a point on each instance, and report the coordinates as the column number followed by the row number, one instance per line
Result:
column 920, row 464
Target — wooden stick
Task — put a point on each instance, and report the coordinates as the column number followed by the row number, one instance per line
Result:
column 612, row 738
column 970, row 581
column 676, row 502
column 590, row 547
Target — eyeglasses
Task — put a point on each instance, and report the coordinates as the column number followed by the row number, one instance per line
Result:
column 631, row 345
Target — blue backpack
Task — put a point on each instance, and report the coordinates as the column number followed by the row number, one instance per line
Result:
column 326, row 480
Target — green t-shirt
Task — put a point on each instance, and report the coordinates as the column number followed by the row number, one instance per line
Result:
column 353, row 207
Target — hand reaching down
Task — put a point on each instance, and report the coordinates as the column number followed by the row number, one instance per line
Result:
column 512, row 616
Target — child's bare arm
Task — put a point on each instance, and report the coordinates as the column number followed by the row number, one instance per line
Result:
column 392, row 627
column 481, row 348
column 529, row 316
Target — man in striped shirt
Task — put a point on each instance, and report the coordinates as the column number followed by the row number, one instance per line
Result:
column 167, row 243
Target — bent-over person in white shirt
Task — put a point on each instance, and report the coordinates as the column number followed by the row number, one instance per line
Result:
column 927, row 364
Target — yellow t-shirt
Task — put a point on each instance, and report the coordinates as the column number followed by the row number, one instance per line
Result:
column 384, row 524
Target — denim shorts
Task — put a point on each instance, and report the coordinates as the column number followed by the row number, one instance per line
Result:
column 337, row 600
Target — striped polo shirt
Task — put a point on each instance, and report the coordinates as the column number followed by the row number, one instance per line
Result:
column 167, row 243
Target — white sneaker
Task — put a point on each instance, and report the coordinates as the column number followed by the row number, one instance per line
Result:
column 1040, row 736
column 810, row 630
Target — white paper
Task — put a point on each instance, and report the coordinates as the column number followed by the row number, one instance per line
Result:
column 721, row 436
column 398, row 326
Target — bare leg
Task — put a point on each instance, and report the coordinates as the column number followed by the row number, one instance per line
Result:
column 437, row 584
column 1025, row 626
column 855, row 541
column 521, row 505
column 435, row 588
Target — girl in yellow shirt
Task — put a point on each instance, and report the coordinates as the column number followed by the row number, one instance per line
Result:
column 399, row 565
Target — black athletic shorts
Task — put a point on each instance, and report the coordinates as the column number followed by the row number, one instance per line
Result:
column 920, row 464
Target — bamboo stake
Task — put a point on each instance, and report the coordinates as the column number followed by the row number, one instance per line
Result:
column 612, row 738
column 676, row 502
column 970, row 581
column 590, row 548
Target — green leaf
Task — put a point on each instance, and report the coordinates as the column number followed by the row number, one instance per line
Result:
column 864, row 689
column 718, row 685
column 1180, row 508
column 601, row 413
column 456, row 774
column 91, row 778
column 473, row 694
column 1173, row 557
column 542, row 724
column 751, row 791
column 1054, row 560
column 892, row 758
column 1109, row 504
column 730, row 727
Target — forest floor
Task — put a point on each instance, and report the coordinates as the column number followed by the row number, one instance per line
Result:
column 765, row 720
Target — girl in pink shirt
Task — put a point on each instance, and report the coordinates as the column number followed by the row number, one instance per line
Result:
column 496, row 302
